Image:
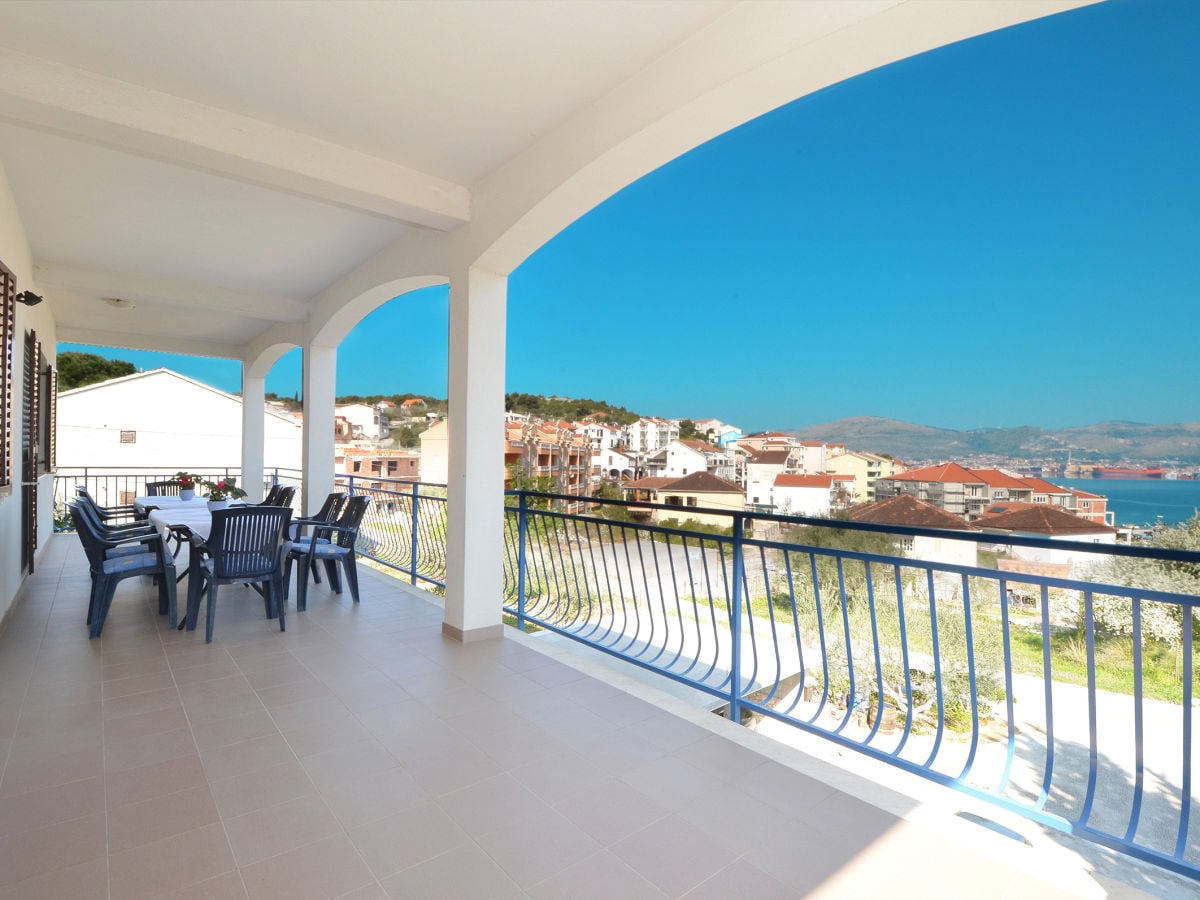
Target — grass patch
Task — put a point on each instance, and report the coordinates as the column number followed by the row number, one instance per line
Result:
column 1162, row 677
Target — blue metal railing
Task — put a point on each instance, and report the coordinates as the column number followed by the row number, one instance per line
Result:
column 404, row 527
column 116, row 486
column 925, row 665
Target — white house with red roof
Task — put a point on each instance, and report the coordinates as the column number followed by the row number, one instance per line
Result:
column 802, row 494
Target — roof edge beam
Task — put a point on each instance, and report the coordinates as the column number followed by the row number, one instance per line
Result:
column 49, row 96
column 170, row 292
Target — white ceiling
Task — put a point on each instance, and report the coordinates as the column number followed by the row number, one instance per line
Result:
column 388, row 111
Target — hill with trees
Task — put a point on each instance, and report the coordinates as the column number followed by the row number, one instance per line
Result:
column 77, row 370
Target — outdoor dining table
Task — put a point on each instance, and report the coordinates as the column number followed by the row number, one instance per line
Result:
column 171, row 510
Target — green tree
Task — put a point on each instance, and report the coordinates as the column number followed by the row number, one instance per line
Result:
column 81, row 369
column 688, row 432
column 1160, row 621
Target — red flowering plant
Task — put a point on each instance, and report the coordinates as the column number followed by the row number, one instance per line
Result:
column 186, row 480
column 223, row 489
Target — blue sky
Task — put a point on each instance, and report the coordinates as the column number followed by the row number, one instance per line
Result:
column 1002, row 232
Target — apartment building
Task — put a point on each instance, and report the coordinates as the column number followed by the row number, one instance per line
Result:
column 971, row 493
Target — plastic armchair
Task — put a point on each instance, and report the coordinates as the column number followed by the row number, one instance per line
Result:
column 163, row 488
column 245, row 546
column 331, row 544
column 127, row 511
column 111, row 563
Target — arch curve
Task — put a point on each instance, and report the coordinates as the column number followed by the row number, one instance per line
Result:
column 754, row 59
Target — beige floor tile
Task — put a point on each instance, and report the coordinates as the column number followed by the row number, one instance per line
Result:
column 148, row 782
column 227, row 886
column 407, row 838
column 136, row 824
column 170, row 864
column 327, row 868
column 465, row 871
column 32, row 773
column 317, row 737
column 277, row 829
column 373, row 796
column 233, row 729
column 611, row 810
column 601, row 876
column 255, row 790
column 246, row 756
column 29, row 854
column 139, row 725
column 741, row 879
column 531, row 848
column 163, row 698
column 149, row 749
column 48, row 806
column 83, row 881
column 491, row 804
column 349, row 763
column 673, row 854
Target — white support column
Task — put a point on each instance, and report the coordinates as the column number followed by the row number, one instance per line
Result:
column 254, row 395
column 475, row 527
column 320, row 375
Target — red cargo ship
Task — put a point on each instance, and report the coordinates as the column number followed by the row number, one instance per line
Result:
column 1128, row 474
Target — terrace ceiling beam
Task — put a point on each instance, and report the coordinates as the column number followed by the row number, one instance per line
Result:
column 185, row 295
column 132, row 340
column 52, row 97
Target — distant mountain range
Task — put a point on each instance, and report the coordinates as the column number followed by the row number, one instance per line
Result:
column 1107, row 441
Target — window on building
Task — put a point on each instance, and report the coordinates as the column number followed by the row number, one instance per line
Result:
column 691, row 501
column 128, row 437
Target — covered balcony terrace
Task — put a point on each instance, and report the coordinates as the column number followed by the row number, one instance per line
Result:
column 242, row 185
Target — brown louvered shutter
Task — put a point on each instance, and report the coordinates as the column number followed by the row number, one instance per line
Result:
column 8, row 316
column 30, row 433
column 52, row 420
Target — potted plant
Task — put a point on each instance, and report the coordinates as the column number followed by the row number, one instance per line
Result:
column 219, row 493
column 187, row 485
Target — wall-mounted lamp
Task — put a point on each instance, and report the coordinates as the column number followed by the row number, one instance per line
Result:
column 29, row 298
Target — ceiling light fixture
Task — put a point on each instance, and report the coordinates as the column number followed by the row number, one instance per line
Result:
column 29, row 298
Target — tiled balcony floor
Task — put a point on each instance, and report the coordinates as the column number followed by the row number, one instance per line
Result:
column 362, row 754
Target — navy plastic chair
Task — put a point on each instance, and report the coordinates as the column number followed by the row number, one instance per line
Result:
column 245, row 546
column 110, row 514
column 112, row 563
column 326, row 515
column 331, row 544
column 163, row 488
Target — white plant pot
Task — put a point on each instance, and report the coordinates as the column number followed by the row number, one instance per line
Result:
column 218, row 504
column 187, row 494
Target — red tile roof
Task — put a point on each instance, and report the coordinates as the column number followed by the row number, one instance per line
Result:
column 807, row 481
column 1044, row 487
column 702, row 483
column 1037, row 518
column 907, row 510
column 947, row 472
column 998, row 479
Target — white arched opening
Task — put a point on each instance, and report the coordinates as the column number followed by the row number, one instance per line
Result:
column 756, row 59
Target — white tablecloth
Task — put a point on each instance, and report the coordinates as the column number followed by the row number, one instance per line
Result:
column 173, row 511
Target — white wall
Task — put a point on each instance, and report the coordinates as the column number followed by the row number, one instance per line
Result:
column 177, row 423
column 683, row 460
column 14, row 252
column 801, row 501
column 435, row 454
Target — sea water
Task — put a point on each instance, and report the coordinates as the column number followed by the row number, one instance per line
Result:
column 1137, row 502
